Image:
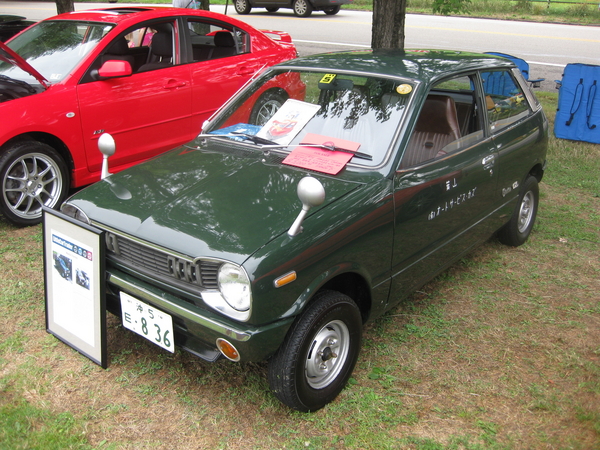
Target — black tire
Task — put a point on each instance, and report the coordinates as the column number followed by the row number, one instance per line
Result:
column 267, row 105
column 302, row 8
column 242, row 6
column 518, row 229
column 319, row 353
column 332, row 11
column 272, row 9
column 32, row 174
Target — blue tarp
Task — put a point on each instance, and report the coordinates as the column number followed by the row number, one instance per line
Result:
column 578, row 112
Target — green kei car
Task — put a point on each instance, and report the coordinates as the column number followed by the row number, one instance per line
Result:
column 313, row 201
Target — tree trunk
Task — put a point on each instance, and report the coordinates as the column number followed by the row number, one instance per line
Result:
column 205, row 5
column 64, row 6
column 387, row 31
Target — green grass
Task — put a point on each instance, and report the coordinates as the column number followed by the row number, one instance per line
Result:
column 23, row 426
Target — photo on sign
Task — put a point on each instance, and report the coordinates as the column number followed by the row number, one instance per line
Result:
column 82, row 279
column 288, row 121
column 63, row 265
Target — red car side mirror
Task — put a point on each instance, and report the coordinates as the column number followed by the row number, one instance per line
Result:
column 114, row 69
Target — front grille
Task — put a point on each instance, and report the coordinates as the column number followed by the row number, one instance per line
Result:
column 153, row 261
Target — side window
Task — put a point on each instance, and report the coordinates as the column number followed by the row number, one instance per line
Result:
column 154, row 46
column 448, row 121
column 211, row 41
column 505, row 101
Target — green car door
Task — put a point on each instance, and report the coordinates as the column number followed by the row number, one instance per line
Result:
column 445, row 184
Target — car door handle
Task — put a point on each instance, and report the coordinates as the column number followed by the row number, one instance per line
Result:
column 488, row 160
column 488, row 163
column 174, row 84
column 245, row 71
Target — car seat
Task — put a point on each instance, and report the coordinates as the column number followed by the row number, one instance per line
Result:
column 224, row 45
column 161, row 52
column 118, row 50
column 436, row 127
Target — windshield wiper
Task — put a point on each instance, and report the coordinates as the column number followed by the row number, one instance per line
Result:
column 254, row 138
column 334, row 148
column 237, row 134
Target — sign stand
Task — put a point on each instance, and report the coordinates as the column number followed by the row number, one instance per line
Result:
column 74, row 284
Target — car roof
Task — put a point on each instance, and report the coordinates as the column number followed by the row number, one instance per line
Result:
column 134, row 14
column 422, row 65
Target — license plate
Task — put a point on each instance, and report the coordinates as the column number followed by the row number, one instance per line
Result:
column 147, row 321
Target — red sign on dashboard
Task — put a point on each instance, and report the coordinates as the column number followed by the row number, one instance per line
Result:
column 322, row 154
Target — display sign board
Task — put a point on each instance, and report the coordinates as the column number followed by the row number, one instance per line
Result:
column 288, row 121
column 326, row 159
column 74, row 284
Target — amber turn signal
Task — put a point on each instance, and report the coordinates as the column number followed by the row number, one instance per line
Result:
column 285, row 279
column 228, row 350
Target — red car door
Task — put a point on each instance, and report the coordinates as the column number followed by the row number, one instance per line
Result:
column 147, row 113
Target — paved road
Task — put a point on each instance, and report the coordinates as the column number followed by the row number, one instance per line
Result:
column 547, row 47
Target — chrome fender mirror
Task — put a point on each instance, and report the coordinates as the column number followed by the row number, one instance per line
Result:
column 311, row 193
column 106, row 145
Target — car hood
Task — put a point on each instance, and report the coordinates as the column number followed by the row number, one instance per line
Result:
column 222, row 205
column 9, row 56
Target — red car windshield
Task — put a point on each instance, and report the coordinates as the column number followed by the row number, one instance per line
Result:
column 54, row 48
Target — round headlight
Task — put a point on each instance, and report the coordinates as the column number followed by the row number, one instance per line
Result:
column 234, row 286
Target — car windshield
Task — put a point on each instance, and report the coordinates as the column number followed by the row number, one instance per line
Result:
column 54, row 48
column 329, row 110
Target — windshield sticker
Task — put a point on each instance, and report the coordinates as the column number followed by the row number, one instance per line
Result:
column 288, row 121
column 322, row 154
column 328, row 78
column 404, row 89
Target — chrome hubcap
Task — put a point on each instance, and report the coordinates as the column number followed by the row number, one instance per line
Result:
column 32, row 181
column 327, row 355
column 526, row 212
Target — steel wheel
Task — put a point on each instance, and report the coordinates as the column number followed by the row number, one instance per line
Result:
column 518, row 229
column 317, row 357
column 32, row 176
column 328, row 354
column 526, row 212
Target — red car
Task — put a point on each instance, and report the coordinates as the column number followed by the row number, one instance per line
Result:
column 148, row 76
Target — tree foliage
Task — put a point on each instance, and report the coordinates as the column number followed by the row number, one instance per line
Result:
column 447, row 7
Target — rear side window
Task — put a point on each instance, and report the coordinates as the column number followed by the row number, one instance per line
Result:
column 505, row 101
column 212, row 41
